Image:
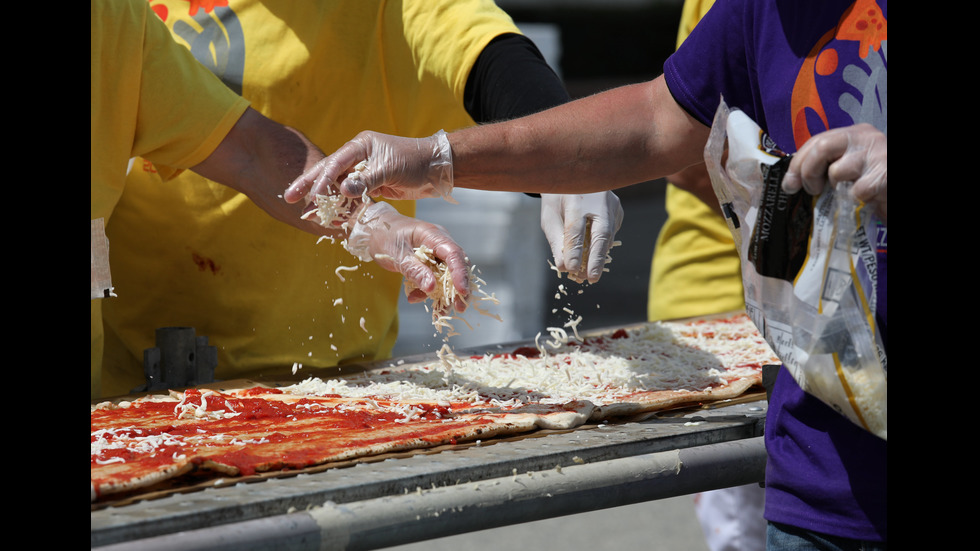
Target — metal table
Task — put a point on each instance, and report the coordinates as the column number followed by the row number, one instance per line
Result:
column 451, row 490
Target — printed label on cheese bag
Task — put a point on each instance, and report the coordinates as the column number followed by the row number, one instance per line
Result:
column 779, row 239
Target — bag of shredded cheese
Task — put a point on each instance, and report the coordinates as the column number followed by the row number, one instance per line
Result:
column 808, row 269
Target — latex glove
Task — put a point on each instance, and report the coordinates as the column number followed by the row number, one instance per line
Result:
column 856, row 154
column 580, row 230
column 382, row 165
column 383, row 234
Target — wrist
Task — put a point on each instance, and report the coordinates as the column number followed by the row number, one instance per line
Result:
column 441, row 166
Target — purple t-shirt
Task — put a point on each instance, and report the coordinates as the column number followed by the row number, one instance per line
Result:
column 797, row 68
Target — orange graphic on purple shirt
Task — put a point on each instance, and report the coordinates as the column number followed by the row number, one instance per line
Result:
column 864, row 23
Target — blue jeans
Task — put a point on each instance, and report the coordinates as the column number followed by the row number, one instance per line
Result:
column 782, row 537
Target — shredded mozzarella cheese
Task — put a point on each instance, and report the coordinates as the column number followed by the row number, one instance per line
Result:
column 443, row 298
column 343, row 269
column 656, row 356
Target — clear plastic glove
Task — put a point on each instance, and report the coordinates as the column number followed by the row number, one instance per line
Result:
column 580, row 230
column 382, row 166
column 390, row 238
column 856, row 154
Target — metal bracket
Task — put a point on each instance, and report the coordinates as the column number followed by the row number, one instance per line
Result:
column 769, row 374
column 180, row 359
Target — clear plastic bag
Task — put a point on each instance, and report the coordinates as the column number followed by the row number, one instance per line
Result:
column 808, row 269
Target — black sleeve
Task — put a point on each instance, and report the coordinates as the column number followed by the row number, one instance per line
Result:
column 511, row 79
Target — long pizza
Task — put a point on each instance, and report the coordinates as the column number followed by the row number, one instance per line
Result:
column 559, row 383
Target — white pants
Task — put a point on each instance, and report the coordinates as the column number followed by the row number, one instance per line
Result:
column 732, row 518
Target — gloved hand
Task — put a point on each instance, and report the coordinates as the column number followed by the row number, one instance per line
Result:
column 580, row 230
column 382, row 165
column 856, row 154
column 383, row 234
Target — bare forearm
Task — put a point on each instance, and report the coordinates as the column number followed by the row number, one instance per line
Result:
column 259, row 158
column 695, row 179
column 613, row 139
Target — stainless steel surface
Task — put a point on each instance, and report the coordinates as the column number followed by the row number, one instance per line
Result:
column 447, row 510
column 557, row 473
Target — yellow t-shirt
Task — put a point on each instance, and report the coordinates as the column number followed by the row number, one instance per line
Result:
column 267, row 295
column 149, row 97
column 695, row 269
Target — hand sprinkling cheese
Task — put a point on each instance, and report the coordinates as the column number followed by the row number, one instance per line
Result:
column 580, row 277
column 444, row 296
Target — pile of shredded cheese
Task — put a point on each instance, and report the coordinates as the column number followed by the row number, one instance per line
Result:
column 658, row 356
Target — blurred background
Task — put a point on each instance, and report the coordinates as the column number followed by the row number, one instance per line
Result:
column 593, row 45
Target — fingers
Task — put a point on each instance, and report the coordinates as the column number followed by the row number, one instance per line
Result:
column 867, row 168
column 299, row 188
column 851, row 154
column 322, row 176
column 808, row 167
column 603, row 220
column 791, row 180
column 416, row 296
column 457, row 264
column 588, row 224
column 576, row 228
column 302, row 187
column 553, row 226
column 354, row 185
column 602, row 239
column 557, row 252
column 604, row 230
column 857, row 154
column 418, row 274
column 872, row 188
column 421, row 276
